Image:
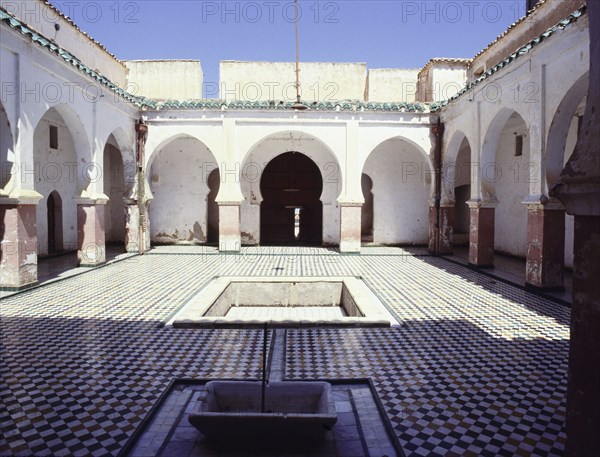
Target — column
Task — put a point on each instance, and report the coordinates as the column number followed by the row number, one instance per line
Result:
column 350, row 229
column 18, row 256
column 440, row 232
column 545, row 245
column 91, row 250
column 229, row 226
column 579, row 190
column 481, row 234
column 230, row 195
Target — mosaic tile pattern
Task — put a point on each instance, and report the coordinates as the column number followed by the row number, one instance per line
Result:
column 478, row 367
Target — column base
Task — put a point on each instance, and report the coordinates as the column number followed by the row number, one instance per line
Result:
column 230, row 239
column 91, row 250
column 18, row 254
column 481, row 236
column 350, row 220
column 443, row 243
column 132, row 229
column 545, row 248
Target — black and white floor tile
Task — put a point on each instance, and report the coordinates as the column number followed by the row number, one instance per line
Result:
column 478, row 367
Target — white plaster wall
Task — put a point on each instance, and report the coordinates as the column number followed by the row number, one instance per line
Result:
column 6, row 149
column 255, row 164
column 392, row 85
column 42, row 18
column 54, row 170
column 323, row 81
column 401, row 193
column 165, row 79
column 513, row 175
column 448, row 80
column 178, row 180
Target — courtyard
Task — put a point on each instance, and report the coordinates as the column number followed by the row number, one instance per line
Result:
column 477, row 366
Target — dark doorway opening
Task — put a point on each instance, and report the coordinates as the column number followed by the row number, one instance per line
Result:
column 212, row 207
column 366, row 219
column 291, row 212
column 55, row 224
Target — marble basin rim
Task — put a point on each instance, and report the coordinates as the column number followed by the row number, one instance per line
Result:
column 208, row 308
column 295, row 411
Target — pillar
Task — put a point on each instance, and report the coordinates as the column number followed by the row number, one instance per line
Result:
column 18, row 257
column 91, row 250
column 230, row 239
column 134, row 228
column 440, row 233
column 545, row 245
column 481, row 234
column 579, row 190
column 583, row 393
column 350, row 228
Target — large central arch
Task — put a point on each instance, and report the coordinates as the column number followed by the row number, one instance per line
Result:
column 256, row 163
column 291, row 211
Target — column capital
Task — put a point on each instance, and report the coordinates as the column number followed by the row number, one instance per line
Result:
column 474, row 204
column 91, row 198
column 350, row 202
column 543, row 202
column 580, row 199
column 21, row 197
column 229, row 202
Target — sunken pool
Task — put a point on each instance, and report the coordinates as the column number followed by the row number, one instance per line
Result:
column 284, row 302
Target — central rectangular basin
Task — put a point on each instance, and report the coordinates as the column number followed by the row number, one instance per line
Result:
column 294, row 411
column 233, row 302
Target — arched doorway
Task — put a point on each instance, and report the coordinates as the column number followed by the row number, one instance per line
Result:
column 291, row 211
column 114, row 188
column 401, row 180
column 179, row 170
column 212, row 207
column 366, row 219
column 462, row 194
column 55, row 223
column 59, row 143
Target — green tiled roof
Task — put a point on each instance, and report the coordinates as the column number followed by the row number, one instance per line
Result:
column 145, row 103
column 350, row 105
column 573, row 17
column 68, row 57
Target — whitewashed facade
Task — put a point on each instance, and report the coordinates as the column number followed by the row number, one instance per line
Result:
column 72, row 142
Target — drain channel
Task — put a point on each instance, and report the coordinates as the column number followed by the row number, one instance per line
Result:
column 277, row 355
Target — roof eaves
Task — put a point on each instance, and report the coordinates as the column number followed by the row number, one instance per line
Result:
column 51, row 46
column 72, row 23
column 449, row 60
column 342, row 105
column 572, row 18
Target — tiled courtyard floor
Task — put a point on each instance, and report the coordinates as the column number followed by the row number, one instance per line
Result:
column 477, row 368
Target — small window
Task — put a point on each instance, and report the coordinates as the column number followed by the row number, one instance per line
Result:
column 53, row 137
column 518, row 145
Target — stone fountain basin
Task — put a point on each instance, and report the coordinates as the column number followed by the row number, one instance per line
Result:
column 295, row 411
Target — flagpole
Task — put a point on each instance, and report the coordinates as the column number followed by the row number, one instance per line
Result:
column 298, row 105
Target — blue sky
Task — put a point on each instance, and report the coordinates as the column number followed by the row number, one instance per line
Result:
column 384, row 34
